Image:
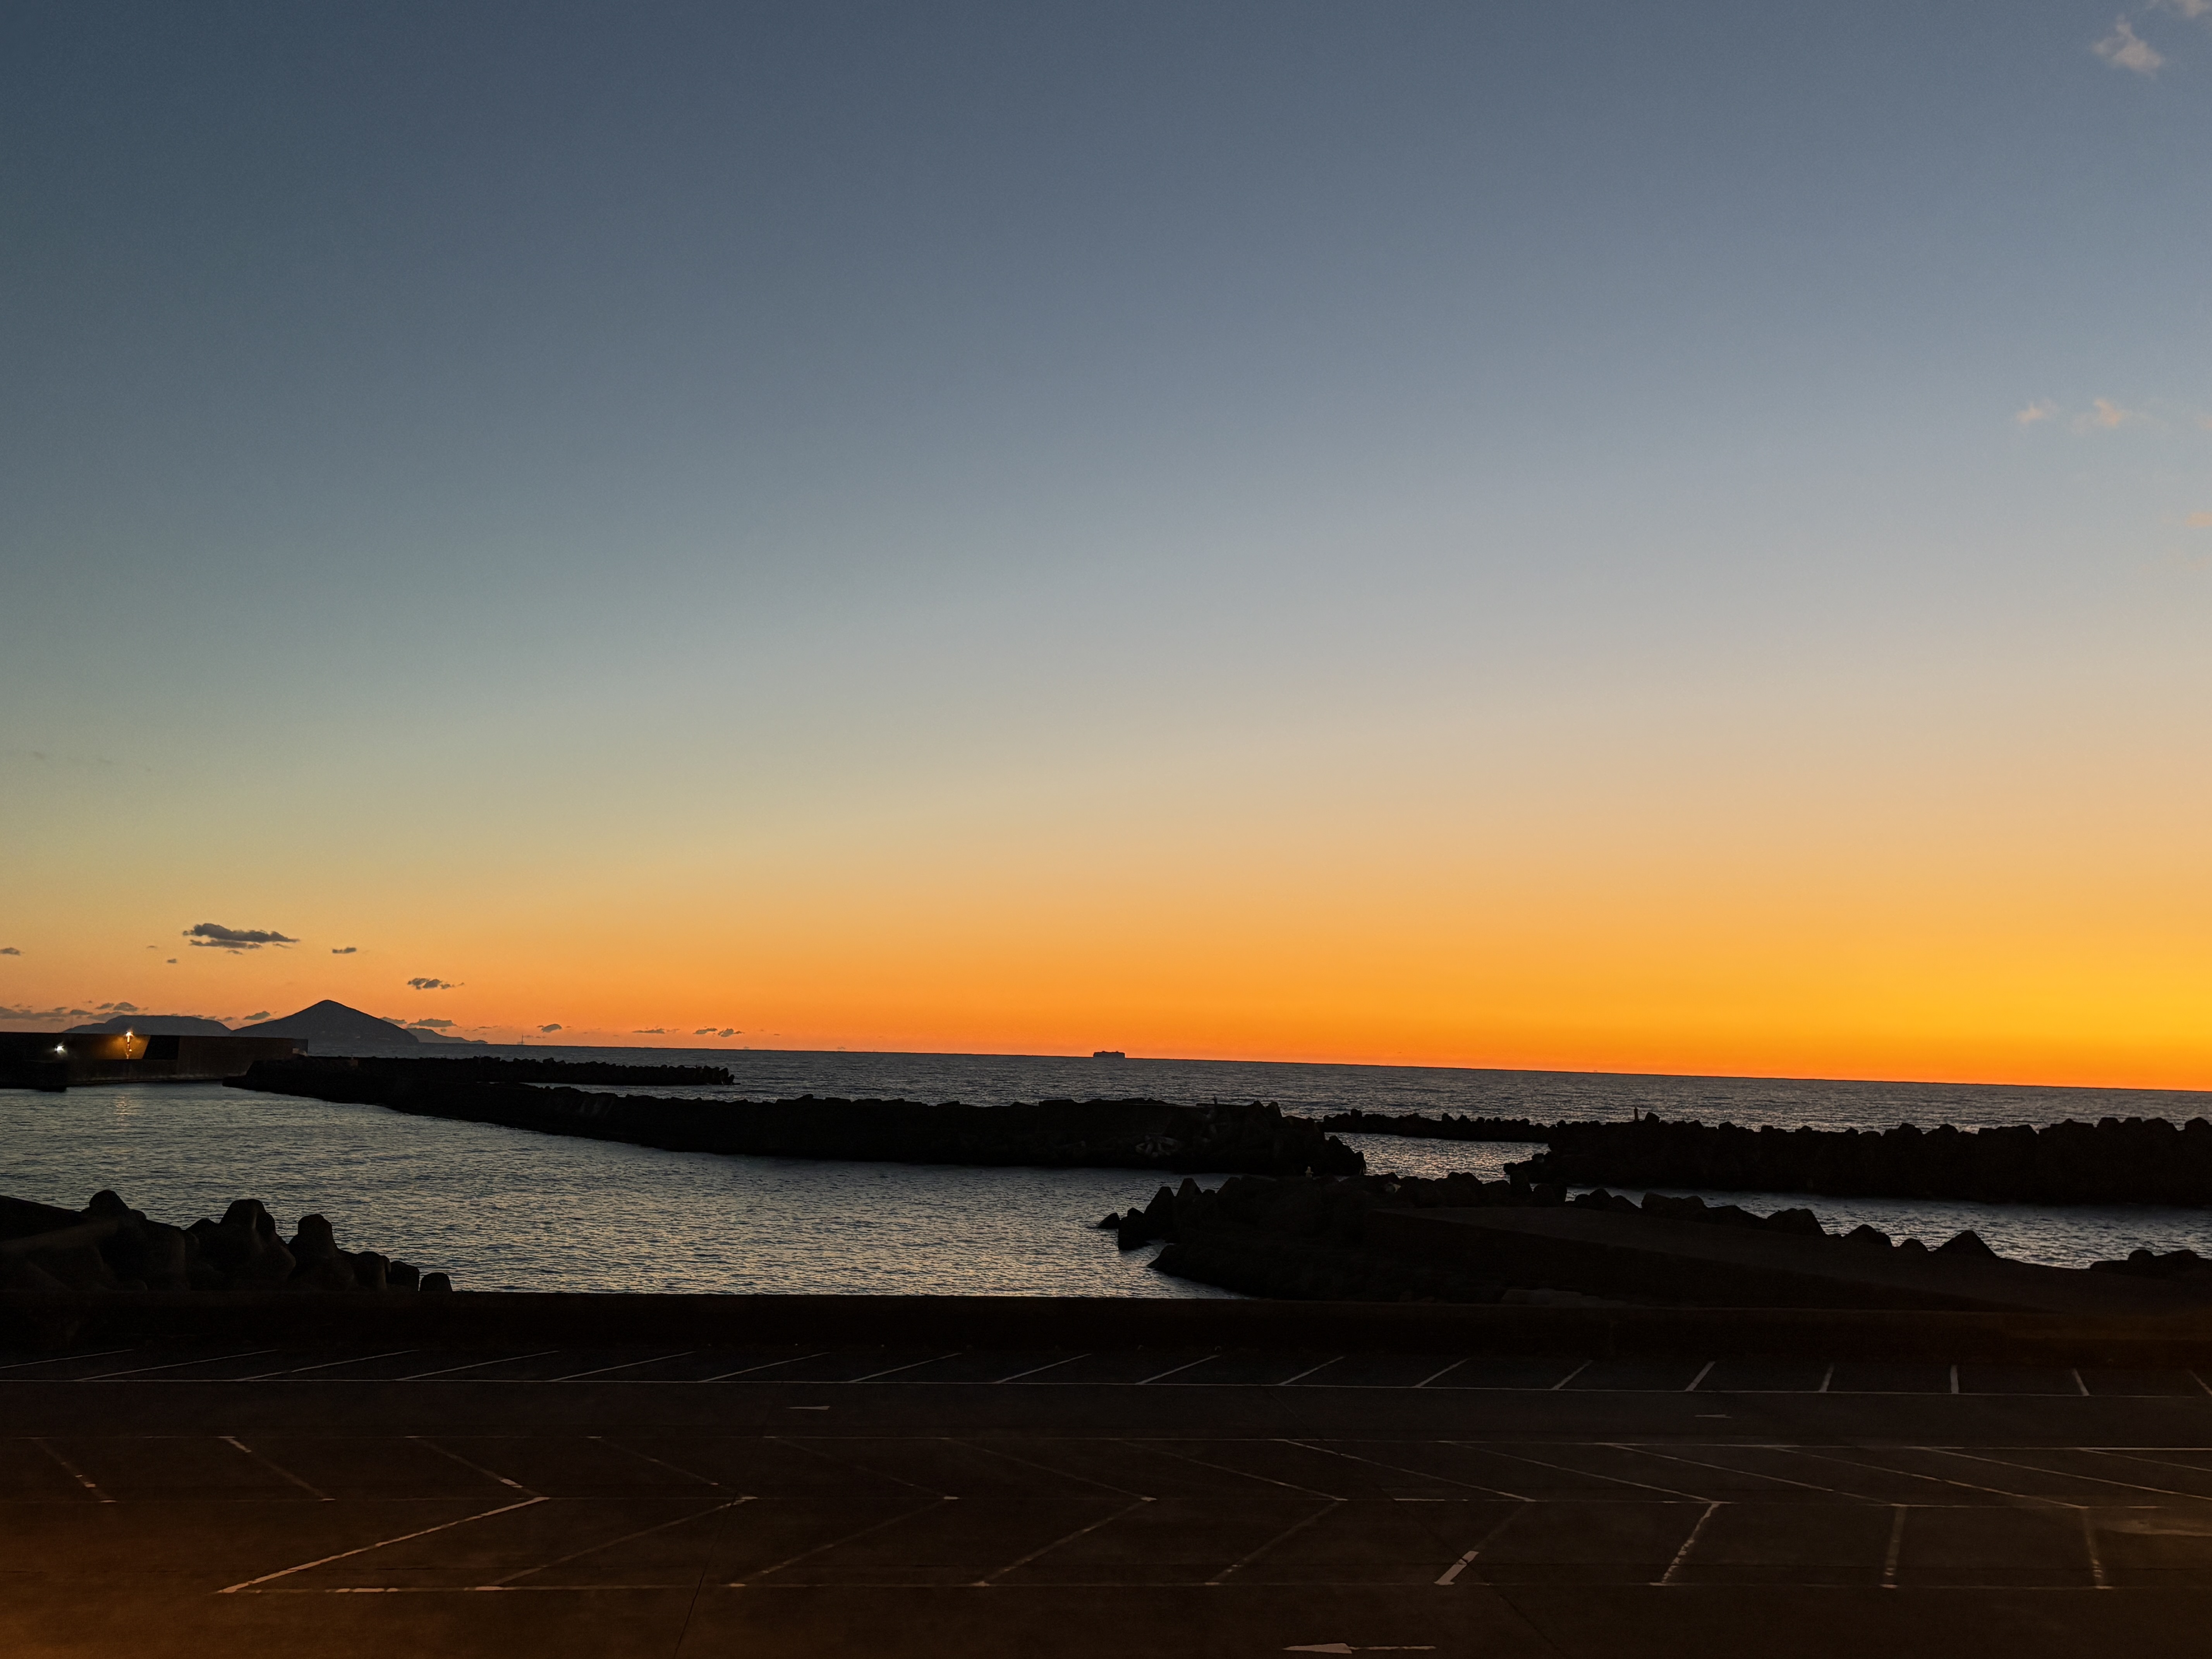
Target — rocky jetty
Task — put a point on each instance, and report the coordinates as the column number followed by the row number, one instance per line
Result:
column 1445, row 1125
column 2113, row 1161
column 487, row 1068
column 1461, row 1239
column 1120, row 1134
column 109, row 1246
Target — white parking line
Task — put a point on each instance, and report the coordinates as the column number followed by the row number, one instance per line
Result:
column 1048, row 1365
column 1701, row 1376
column 82, row 1479
column 474, row 1364
column 324, row 1561
column 1174, row 1369
column 1222, row 1577
column 1309, row 1370
column 274, row 1467
column 1896, row 1545
column 204, row 1359
column 765, row 1365
column 489, row 1474
column 1572, row 1375
column 64, row 1359
column 629, row 1537
column 911, row 1365
column 793, row 1561
column 1447, row 1372
column 626, row 1365
column 1450, row 1574
column 1683, row 1553
column 302, row 1371
column 1047, row 1549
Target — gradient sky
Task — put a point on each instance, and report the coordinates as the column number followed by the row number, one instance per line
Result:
column 1581, row 535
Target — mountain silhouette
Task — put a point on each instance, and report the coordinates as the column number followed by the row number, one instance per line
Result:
column 331, row 1028
column 157, row 1025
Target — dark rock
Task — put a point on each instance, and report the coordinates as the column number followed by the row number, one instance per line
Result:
column 1868, row 1237
column 437, row 1283
column 1967, row 1244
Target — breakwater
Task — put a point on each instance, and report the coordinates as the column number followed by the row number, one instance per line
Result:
column 491, row 1068
column 1148, row 1135
column 1445, row 1125
column 1461, row 1239
column 107, row 1247
column 2114, row 1160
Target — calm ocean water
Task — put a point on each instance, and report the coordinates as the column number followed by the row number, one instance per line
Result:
column 502, row 1209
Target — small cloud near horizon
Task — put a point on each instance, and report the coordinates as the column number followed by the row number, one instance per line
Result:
column 433, row 1025
column 650, row 1030
column 2125, row 49
column 344, row 950
column 213, row 936
column 120, row 1008
column 10, row 951
column 262, row 1014
column 434, row 984
column 708, row 1031
column 2104, row 414
column 2041, row 409
column 556, row 1026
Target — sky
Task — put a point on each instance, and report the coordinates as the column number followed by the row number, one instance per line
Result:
column 1577, row 535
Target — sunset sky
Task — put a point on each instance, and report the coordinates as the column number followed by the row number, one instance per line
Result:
column 1574, row 535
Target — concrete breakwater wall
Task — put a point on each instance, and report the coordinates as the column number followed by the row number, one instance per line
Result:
column 1139, row 1134
column 2131, row 1161
column 1461, row 1239
column 107, row 1247
column 489, row 1068
column 1445, row 1125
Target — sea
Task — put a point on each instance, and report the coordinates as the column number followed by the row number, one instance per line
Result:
column 505, row 1209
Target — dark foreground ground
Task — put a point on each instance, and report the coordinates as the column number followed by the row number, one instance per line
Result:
column 183, row 1497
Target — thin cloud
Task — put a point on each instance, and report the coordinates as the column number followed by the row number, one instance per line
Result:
column 434, row 984
column 430, row 1025
column 708, row 1031
column 650, row 1030
column 2103, row 414
column 2042, row 409
column 258, row 1014
column 2192, row 9
column 172, row 962
column 344, row 950
column 120, row 1008
column 10, row 951
column 556, row 1026
column 2125, row 49
column 2199, row 520
column 213, row 936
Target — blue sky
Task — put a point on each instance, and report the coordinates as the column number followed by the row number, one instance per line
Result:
column 454, row 428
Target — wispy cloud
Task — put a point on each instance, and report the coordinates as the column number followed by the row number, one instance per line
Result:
column 120, row 1008
column 556, row 1026
column 2041, row 409
column 344, row 950
column 10, row 951
column 2125, row 49
column 434, row 984
column 708, row 1031
column 213, row 936
column 429, row 1024
column 2103, row 414
column 259, row 1014
column 2199, row 521
column 650, row 1030
column 2183, row 7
